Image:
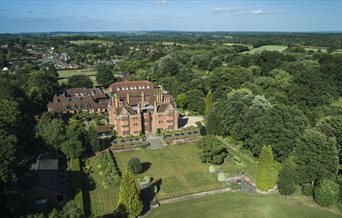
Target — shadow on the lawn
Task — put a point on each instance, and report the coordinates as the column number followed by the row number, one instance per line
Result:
column 147, row 195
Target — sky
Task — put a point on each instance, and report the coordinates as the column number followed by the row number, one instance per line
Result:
column 182, row 15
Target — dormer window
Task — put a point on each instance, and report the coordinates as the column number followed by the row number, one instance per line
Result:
column 118, row 89
column 75, row 106
column 147, row 87
column 68, row 107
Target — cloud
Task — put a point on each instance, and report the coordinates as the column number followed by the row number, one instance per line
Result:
column 161, row 2
column 30, row 11
column 225, row 10
column 255, row 12
column 239, row 11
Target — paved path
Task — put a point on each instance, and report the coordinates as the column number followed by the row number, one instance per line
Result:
column 196, row 195
column 155, row 142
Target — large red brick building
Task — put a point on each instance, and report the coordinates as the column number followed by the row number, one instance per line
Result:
column 79, row 99
column 138, row 106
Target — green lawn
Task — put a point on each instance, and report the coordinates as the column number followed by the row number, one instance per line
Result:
column 279, row 48
column 242, row 205
column 103, row 201
column 63, row 75
column 178, row 167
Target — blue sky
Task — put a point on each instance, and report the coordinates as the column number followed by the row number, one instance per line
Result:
column 201, row 15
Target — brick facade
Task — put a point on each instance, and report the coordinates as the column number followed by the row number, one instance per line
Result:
column 137, row 106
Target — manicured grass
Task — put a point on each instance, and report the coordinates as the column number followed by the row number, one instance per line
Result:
column 279, row 48
column 63, row 75
column 68, row 73
column 103, row 201
column 178, row 166
column 242, row 205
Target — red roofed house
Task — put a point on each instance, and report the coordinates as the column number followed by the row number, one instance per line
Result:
column 137, row 106
column 79, row 99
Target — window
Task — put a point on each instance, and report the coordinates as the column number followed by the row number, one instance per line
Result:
column 60, row 197
column 135, row 124
column 160, row 121
column 136, row 132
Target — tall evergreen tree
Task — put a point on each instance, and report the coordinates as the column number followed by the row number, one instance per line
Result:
column 265, row 175
column 129, row 201
column 316, row 157
column 208, row 104
column 287, row 178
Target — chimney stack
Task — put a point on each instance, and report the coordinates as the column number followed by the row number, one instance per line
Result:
column 139, row 112
column 127, row 98
column 142, row 97
column 116, row 101
column 155, row 106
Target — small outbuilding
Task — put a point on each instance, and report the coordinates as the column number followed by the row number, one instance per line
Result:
column 104, row 131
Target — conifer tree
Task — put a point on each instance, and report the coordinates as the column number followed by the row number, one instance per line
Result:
column 208, row 104
column 265, row 176
column 287, row 178
column 129, row 201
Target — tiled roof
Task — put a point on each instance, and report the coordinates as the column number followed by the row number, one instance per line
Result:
column 132, row 86
column 79, row 99
column 103, row 128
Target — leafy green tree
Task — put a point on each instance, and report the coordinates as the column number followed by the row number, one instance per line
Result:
column 316, row 157
column 326, row 193
column 208, row 104
column 211, row 150
column 79, row 81
column 94, row 140
column 265, row 174
column 279, row 126
column 8, row 177
column 70, row 210
column 287, row 178
column 332, row 127
column 72, row 148
column 195, row 100
column 129, row 201
column 182, row 100
column 104, row 75
column 40, row 88
column 52, row 131
column 134, row 165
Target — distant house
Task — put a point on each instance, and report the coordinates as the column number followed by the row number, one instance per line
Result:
column 5, row 69
column 47, row 182
column 79, row 99
column 103, row 131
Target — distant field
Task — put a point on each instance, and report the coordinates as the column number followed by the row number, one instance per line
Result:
column 178, row 167
column 63, row 75
column 95, row 41
column 241, row 205
column 278, row 48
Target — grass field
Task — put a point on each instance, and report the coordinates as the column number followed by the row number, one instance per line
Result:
column 63, row 75
column 242, row 205
column 102, row 201
column 92, row 41
column 279, row 48
column 178, row 167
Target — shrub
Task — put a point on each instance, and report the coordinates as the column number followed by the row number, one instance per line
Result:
column 158, row 131
column 307, row 189
column 147, row 179
column 212, row 169
column 235, row 186
column 134, row 165
column 326, row 193
column 221, row 177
